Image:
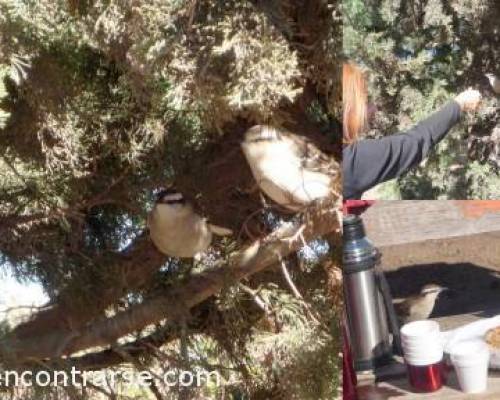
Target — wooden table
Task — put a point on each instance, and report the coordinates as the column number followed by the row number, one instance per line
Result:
column 391, row 382
column 398, row 389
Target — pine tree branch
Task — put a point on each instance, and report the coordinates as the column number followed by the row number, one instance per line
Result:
column 146, row 345
column 129, row 270
column 320, row 220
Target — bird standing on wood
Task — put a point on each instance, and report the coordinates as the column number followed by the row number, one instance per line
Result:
column 494, row 82
column 420, row 306
column 177, row 230
column 288, row 168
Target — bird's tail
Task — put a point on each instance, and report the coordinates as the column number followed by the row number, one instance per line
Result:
column 220, row 231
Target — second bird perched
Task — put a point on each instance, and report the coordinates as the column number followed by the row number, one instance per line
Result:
column 288, row 168
column 177, row 230
column 420, row 306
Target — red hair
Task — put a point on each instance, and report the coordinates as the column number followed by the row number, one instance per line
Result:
column 355, row 100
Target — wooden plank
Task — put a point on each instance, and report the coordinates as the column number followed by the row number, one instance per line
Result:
column 480, row 249
column 400, row 390
column 390, row 223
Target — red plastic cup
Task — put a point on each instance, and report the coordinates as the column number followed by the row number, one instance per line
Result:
column 427, row 378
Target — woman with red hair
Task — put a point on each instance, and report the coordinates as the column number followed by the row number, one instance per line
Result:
column 369, row 162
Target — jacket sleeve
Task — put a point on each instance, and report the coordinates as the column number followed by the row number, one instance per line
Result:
column 367, row 163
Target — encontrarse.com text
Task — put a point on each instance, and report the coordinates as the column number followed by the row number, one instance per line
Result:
column 105, row 379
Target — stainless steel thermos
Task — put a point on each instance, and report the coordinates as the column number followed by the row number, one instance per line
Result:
column 367, row 321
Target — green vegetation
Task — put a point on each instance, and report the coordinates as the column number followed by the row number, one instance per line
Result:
column 419, row 54
column 104, row 102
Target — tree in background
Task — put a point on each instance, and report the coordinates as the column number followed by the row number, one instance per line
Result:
column 104, row 102
column 419, row 54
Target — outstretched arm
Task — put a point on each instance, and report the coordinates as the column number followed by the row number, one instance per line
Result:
column 369, row 162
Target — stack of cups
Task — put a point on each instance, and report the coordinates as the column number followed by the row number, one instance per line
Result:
column 423, row 353
column 471, row 359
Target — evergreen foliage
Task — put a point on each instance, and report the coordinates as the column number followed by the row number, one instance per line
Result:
column 104, row 102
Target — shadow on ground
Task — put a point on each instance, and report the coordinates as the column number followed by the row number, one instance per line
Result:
column 474, row 289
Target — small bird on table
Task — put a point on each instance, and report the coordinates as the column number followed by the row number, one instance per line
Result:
column 177, row 230
column 289, row 168
column 494, row 82
column 420, row 306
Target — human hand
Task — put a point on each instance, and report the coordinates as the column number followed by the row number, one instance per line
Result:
column 494, row 82
column 469, row 100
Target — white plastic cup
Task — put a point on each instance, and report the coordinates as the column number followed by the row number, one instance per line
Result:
column 418, row 329
column 421, row 339
column 421, row 342
column 423, row 356
column 427, row 360
column 470, row 359
column 428, row 344
column 423, row 353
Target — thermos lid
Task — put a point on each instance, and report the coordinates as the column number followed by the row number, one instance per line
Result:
column 353, row 227
column 359, row 254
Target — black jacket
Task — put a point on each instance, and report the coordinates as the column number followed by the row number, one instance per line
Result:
column 369, row 162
